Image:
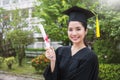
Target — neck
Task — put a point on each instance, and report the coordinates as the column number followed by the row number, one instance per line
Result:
column 78, row 46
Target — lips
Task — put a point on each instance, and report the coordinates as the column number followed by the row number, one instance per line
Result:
column 75, row 38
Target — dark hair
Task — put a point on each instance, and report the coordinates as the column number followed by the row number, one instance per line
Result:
column 84, row 25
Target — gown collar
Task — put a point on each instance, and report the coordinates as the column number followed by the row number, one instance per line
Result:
column 78, row 52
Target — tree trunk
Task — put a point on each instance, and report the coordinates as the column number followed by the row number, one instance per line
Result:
column 9, row 66
column 21, row 55
column 20, row 61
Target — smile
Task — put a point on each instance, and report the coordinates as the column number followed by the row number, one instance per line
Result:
column 74, row 38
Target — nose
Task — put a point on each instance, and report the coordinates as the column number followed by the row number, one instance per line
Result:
column 74, row 32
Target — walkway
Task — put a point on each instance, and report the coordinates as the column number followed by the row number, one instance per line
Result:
column 5, row 76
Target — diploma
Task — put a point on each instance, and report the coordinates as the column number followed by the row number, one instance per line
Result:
column 45, row 37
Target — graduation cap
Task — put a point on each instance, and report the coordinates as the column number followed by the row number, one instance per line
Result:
column 79, row 14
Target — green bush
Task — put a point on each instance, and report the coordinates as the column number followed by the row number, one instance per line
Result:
column 33, row 49
column 10, row 61
column 1, row 61
column 107, row 52
column 109, row 71
column 39, row 63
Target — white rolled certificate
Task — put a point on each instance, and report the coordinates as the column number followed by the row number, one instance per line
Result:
column 45, row 37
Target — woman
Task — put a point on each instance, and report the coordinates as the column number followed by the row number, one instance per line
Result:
column 76, row 62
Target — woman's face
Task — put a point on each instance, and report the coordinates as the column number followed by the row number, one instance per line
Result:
column 76, row 32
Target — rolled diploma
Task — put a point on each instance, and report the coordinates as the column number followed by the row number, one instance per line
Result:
column 45, row 37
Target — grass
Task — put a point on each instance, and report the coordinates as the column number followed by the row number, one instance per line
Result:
column 26, row 69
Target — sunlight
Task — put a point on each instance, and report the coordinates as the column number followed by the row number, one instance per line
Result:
column 111, row 4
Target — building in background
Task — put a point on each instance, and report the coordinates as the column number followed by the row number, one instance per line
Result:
column 26, row 7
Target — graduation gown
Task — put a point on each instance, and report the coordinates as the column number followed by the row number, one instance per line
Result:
column 81, row 66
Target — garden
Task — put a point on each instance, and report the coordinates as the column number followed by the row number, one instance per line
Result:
column 29, row 68
column 34, row 67
column 14, row 40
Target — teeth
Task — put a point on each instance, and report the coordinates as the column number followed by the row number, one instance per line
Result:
column 74, row 38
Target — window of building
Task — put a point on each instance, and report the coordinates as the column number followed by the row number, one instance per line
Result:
column 24, row 13
column 6, row 2
column 14, row 1
column 14, row 14
column 33, row 12
column 0, row 3
column 26, row 0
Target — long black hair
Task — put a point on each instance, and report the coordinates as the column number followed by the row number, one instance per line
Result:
column 85, row 27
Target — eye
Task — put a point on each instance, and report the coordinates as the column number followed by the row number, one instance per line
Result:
column 70, row 29
column 78, row 29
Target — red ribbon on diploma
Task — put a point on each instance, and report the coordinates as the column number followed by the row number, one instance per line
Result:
column 46, row 39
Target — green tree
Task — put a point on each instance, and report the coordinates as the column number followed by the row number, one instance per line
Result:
column 14, row 30
column 20, row 39
column 1, row 35
column 3, row 26
column 55, row 22
column 107, row 46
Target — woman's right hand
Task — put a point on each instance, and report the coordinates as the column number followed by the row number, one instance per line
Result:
column 50, row 54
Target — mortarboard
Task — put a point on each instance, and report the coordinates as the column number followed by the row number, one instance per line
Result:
column 76, row 13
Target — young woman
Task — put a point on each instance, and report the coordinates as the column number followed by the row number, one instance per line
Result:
column 76, row 62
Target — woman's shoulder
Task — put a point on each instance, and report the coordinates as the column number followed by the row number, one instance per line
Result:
column 63, row 49
column 91, row 55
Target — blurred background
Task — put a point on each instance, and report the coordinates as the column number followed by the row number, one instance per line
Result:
column 21, row 41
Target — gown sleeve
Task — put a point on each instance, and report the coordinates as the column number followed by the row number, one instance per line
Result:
column 48, row 75
column 86, row 71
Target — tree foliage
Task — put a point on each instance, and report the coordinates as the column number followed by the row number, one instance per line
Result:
column 107, row 46
column 13, row 28
column 20, row 37
column 55, row 22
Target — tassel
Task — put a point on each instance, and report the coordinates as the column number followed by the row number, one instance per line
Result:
column 97, row 27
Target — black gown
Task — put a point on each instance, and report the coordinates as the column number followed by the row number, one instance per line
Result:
column 81, row 66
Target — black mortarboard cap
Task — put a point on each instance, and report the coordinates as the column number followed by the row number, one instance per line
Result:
column 78, row 14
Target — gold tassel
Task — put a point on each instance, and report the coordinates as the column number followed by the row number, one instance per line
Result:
column 97, row 27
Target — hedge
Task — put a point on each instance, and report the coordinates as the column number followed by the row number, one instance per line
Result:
column 35, row 49
column 109, row 71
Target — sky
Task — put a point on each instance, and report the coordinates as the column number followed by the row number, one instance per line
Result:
column 111, row 4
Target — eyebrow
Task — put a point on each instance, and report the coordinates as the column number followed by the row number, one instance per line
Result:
column 78, row 27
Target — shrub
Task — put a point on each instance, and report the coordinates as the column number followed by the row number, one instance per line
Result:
column 33, row 49
column 105, row 49
column 109, row 72
column 1, row 61
column 40, row 62
column 9, row 61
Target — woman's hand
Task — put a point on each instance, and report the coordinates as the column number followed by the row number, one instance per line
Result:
column 50, row 54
